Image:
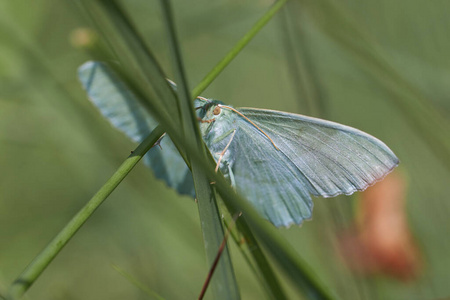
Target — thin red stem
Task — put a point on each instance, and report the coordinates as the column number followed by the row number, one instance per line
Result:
column 219, row 254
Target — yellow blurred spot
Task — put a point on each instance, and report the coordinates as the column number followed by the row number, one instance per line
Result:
column 83, row 38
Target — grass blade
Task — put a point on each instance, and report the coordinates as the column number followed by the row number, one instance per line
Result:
column 237, row 48
column 124, row 43
column 303, row 75
column 138, row 66
column 38, row 265
column 223, row 283
column 292, row 264
column 137, row 283
column 271, row 282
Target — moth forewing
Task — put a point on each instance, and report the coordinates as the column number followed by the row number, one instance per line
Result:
column 275, row 159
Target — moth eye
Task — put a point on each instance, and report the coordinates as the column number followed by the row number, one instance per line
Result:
column 216, row 110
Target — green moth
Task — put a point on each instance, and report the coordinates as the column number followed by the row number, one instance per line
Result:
column 277, row 160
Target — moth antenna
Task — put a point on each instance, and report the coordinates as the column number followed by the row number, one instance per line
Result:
column 203, row 99
column 242, row 115
column 223, row 152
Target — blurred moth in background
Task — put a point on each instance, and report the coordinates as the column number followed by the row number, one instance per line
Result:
column 276, row 160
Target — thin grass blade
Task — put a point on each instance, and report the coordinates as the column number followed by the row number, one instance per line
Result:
column 40, row 263
column 223, row 283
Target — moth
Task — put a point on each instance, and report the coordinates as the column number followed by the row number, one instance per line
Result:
column 276, row 160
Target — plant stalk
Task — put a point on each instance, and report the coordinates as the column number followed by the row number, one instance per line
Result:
column 40, row 262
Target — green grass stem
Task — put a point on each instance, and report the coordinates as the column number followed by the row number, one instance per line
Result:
column 38, row 265
column 223, row 283
column 134, row 51
column 206, row 81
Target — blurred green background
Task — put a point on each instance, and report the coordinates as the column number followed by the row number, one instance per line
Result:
column 316, row 57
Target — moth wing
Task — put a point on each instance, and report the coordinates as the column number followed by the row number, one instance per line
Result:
column 265, row 176
column 123, row 110
column 314, row 156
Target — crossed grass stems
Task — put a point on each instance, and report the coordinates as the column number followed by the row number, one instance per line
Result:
column 277, row 246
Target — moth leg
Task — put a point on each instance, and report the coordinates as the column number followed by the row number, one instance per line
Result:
column 224, row 150
column 223, row 136
column 205, row 121
column 233, row 182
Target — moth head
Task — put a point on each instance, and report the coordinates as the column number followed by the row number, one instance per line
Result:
column 210, row 110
